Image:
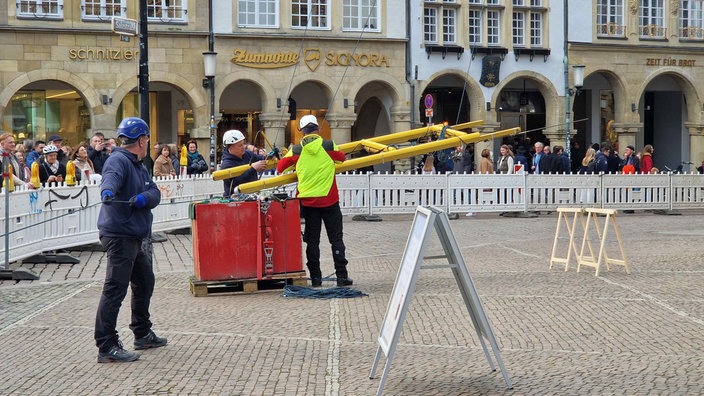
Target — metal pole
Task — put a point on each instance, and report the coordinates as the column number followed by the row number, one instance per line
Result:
column 567, row 84
column 211, row 85
column 6, row 179
column 144, row 65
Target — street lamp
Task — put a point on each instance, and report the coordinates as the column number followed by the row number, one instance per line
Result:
column 209, row 63
column 578, row 74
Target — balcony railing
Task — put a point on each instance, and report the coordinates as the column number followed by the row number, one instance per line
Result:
column 610, row 30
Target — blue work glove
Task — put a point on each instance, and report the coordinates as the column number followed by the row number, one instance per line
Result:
column 138, row 201
column 107, row 197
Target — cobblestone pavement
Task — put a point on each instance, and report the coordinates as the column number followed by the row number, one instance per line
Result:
column 559, row 332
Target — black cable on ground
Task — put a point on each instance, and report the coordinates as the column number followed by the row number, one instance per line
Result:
column 320, row 293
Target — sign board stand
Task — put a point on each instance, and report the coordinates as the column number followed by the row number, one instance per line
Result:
column 425, row 218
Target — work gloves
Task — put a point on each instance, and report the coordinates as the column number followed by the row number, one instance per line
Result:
column 107, row 197
column 138, row 201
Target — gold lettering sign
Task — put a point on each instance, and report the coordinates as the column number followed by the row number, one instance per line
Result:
column 312, row 59
column 670, row 62
column 106, row 54
column 264, row 60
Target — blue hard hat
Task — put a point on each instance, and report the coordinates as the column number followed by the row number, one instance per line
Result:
column 132, row 128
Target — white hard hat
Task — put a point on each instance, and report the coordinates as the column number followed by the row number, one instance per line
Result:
column 232, row 136
column 306, row 120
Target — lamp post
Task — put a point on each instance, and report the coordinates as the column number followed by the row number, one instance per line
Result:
column 209, row 61
column 578, row 74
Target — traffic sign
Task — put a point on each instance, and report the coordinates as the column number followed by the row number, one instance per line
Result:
column 124, row 26
column 428, row 112
column 428, row 101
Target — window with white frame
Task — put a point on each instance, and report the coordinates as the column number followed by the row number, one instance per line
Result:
column 519, row 28
column 652, row 19
column 430, row 25
column 167, row 11
column 258, row 13
column 102, row 10
column 493, row 28
column 475, row 26
column 610, row 19
column 691, row 17
column 485, row 22
column 536, row 29
column 449, row 26
column 313, row 14
column 40, row 9
column 360, row 15
column 527, row 29
column 440, row 22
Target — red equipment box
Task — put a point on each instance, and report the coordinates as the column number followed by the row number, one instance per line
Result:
column 246, row 240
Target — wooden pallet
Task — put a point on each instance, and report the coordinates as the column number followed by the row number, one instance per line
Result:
column 243, row 286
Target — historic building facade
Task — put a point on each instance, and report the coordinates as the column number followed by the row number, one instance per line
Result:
column 500, row 61
column 65, row 71
column 643, row 65
column 365, row 68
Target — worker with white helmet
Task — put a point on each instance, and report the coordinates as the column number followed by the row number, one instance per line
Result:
column 314, row 161
column 236, row 154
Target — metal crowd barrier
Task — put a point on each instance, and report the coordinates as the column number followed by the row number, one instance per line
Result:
column 60, row 217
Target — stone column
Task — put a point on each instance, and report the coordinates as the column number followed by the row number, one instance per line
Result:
column 487, row 127
column 626, row 133
column 401, row 118
column 275, row 127
column 696, row 144
column 340, row 126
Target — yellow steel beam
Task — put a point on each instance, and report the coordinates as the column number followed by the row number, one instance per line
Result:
column 392, row 138
column 382, row 157
column 374, row 147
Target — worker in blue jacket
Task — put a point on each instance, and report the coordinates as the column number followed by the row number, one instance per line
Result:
column 235, row 154
column 124, row 227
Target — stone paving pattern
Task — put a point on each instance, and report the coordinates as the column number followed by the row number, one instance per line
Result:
column 559, row 332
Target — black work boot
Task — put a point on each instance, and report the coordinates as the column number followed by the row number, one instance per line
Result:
column 150, row 340
column 342, row 282
column 316, row 276
column 117, row 353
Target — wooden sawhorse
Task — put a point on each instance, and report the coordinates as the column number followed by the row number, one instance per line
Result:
column 564, row 213
column 591, row 261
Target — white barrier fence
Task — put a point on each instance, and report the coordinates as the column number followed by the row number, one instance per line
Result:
column 62, row 217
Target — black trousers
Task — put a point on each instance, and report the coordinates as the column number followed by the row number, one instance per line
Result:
column 129, row 264
column 332, row 217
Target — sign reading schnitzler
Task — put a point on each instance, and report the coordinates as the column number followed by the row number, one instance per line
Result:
column 426, row 219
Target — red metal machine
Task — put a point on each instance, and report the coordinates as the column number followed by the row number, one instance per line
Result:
column 246, row 240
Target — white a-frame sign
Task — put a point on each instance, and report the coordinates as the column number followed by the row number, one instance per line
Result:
column 406, row 281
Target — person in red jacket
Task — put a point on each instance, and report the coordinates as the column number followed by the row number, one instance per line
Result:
column 646, row 159
column 314, row 161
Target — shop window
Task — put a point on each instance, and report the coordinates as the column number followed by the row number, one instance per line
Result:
column 102, row 10
column 40, row 9
column 36, row 114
